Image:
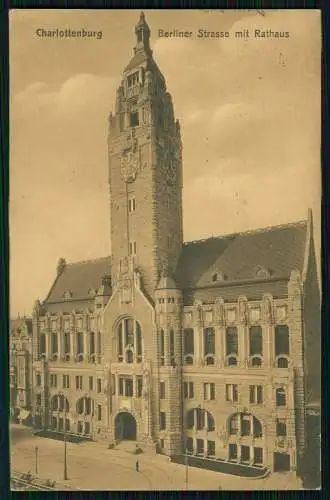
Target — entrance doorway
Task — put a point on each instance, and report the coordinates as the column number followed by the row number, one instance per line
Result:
column 125, row 426
column 281, row 462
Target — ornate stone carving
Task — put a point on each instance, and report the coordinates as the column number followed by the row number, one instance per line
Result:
column 198, row 313
column 242, row 309
column 129, row 166
column 219, row 311
column 267, row 308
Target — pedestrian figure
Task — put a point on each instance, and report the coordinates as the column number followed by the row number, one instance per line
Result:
column 137, row 466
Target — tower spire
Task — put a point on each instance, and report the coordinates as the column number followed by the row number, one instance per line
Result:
column 142, row 32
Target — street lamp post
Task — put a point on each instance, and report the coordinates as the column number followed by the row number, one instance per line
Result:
column 36, row 453
column 65, row 448
column 65, row 475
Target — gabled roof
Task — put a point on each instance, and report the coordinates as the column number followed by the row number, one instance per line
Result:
column 79, row 278
column 238, row 257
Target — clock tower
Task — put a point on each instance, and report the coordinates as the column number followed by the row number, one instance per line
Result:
column 145, row 170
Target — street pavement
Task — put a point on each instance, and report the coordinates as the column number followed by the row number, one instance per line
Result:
column 91, row 466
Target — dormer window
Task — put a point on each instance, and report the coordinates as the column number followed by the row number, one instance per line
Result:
column 67, row 295
column 262, row 272
column 218, row 276
column 91, row 292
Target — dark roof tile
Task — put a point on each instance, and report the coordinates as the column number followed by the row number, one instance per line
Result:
column 78, row 278
column 278, row 249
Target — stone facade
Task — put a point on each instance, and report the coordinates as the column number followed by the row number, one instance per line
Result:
column 20, row 368
column 196, row 347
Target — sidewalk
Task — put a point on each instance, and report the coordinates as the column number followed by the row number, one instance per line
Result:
column 92, row 466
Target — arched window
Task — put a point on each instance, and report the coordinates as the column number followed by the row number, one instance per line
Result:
column 209, row 360
column 232, row 361
column 210, row 422
column 188, row 360
column 280, row 397
column 162, row 347
column 129, row 341
column 282, row 362
column 256, row 361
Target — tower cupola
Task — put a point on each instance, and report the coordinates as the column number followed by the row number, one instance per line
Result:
column 142, row 32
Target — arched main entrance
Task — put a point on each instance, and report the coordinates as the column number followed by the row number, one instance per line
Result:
column 125, row 426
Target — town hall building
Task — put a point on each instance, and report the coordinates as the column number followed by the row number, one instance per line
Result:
column 208, row 347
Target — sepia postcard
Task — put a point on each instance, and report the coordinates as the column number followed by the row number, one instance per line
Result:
column 165, row 194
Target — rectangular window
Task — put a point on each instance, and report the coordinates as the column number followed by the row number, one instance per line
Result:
column 134, row 119
column 188, row 390
column 200, row 446
column 211, row 448
column 66, row 343
column 139, row 384
column 132, row 247
column 133, row 79
column 231, row 341
column 245, row 453
column 99, row 385
column 131, row 205
column 231, row 393
column 54, row 324
column 189, row 341
column 90, row 383
column 258, row 456
column 209, row 341
column 255, row 340
column 80, row 343
column 256, row 394
column 232, row 451
column 66, row 382
column 38, row 380
column 162, row 390
column 53, row 380
column 246, row 426
column 99, row 412
column 172, row 348
column 121, row 386
column 92, row 343
column 38, row 399
column 190, row 445
column 79, row 323
column 209, row 391
column 282, row 343
column 79, row 382
column 280, row 427
column 54, row 343
column 162, row 420
column 129, row 387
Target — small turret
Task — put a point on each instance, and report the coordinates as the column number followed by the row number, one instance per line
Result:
column 142, row 32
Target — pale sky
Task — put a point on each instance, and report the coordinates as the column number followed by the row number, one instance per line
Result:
column 250, row 120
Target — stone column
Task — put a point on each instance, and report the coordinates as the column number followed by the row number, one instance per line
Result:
column 85, row 341
column 47, row 341
column 166, row 345
column 72, row 345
